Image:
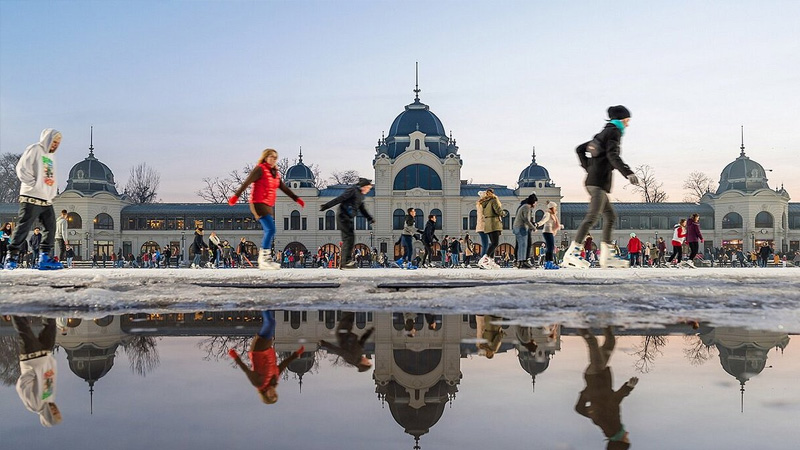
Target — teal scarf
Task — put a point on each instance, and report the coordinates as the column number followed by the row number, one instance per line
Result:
column 619, row 124
column 620, row 434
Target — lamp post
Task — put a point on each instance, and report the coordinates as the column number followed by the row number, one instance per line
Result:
column 87, row 245
column 753, row 238
column 371, row 240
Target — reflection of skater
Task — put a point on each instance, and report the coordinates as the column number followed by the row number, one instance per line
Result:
column 351, row 347
column 490, row 335
column 598, row 401
column 266, row 371
column 37, row 381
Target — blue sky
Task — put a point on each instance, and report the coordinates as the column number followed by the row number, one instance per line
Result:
column 196, row 89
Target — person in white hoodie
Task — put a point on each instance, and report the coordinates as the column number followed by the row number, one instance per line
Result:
column 36, row 170
column 36, row 385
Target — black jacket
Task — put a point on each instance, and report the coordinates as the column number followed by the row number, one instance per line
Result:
column 429, row 236
column 35, row 241
column 350, row 202
column 198, row 243
column 600, row 169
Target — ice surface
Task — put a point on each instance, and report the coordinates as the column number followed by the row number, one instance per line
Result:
column 757, row 298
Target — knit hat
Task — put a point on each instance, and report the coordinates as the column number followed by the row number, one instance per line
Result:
column 532, row 199
column 618, row 112
column 481, row 193
column 633, row 234
column 364, row 182
column 551, row 205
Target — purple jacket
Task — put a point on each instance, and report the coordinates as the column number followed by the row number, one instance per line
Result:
column 693, row 233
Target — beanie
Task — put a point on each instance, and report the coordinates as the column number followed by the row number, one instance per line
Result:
column 364, row 182
column 618, row 112
column 633, row 235
column 551, row 205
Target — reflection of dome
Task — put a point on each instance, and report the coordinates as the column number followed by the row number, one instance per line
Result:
column 743, row 174
column 91, row 176
column 300, row 172
column 533, row 174
column 418, row 363
column 301, row 365
column 417, row 421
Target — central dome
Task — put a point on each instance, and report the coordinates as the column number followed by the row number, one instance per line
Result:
column 743, row 174
column 91, row 176
column 416, row 117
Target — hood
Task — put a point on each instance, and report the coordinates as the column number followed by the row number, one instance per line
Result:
column 46, row 138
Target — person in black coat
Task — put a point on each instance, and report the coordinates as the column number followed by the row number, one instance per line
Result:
column 428, row 238
column 350, row 203
column 599, row 157
column 198, row 246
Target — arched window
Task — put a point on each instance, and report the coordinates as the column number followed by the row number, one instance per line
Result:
column 74, row 220
column 361, row 222
column 103, row 222
column 419, row 219
column 732, row 220
column 438, row 214
column 537, row 216
column 150, row 247
column 416, row 144
column 294, row 220
column 398, row 217
column 473, row 219
column 506, row 220
column 764, row 220
column 417, row 175
column 330, row 220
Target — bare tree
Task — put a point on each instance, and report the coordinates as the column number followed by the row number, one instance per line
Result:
column 697, row 183
column 217, row 347
column 283, row 167
column 142, row 353
column 219, row 190
column 647, row 352
column 696, row 351
column 9, row 183
column 345, row 177
column 142, row 185
column 649, row 187
column 9, row 360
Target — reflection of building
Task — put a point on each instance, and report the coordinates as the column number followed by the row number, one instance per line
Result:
column 417, row 164
column 743, row 352
column 548, row 342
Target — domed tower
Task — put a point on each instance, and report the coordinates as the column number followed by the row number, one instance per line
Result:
column 534, row 175
column 301, row 365
column 535, row 347
column 536, row 178
column 743, row 174
column 300, row 175
column 91, row 176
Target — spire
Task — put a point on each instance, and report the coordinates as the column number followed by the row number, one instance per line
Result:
column 91, row 141
column 417, row 90
column 742, row 394
column 416, row 443
column 301, row 383
column 534, row 155
column 742, row 147
column 301, row 154
column 91, row 397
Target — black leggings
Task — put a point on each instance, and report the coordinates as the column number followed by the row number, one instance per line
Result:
column 693, row 247
column 494, row 240
column 676, row 250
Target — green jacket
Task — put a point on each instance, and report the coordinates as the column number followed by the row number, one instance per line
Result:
column 492, row 215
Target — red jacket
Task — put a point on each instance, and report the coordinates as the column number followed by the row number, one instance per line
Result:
column 634, row 245
column 265, row 188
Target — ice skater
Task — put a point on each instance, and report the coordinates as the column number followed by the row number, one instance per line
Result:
column 598, row 401
column 350, row 203
column 36, row 170
column 351, row 346
column 36, row 385
column 694, row 237
column 523, row 222
column 550, row 226
column 492, row 210
column 266, row 180
column 266, row 371
column 603, row 157
column 678, row 237
column 490, row 335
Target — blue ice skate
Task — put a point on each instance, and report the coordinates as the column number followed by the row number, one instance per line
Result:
column 11, row 262
column 45, row 263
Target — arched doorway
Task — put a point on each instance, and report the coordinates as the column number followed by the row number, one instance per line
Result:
column 149, row 247
column 298, row 251
column 504, row 252
column 332, row 252
column 361, row 249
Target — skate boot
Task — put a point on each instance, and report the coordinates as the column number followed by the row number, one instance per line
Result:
column 483, row 263
column 573, row 259
column 11, row 262
column 610, row 259
column 45, row 263
column 265, row 261
column 349, row 265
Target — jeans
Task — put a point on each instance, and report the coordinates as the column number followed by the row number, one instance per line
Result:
column 268, row 225
column 550, row 243
column 28, row 214
column 454, row 259
column 408, row 247
column 522, row 242
column 484, row 242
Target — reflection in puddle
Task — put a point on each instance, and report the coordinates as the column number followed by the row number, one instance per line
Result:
column 445, row 380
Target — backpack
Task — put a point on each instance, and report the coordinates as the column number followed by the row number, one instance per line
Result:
column 595, row 148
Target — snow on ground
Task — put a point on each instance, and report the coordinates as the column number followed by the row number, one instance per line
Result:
column 757, row 298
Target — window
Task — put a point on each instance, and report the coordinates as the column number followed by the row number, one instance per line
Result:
column 419, row 219
column 398, row 218
column 659, row 222
column 506, row 220
column 303, row 224
column 285, row 223
column 103, row 222
column 321, row 224
column 438, row 214
column 361, row 221
column 538, row 215
column 295, row 220
column 417, row 175
column 732, row 220
column 74, row 220
column 330, row 220
column 473, row 220
column 416, row 144
column 764, row 220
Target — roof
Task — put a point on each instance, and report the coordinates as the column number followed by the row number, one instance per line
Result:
column 336, row 190
column 416, row 117
column 742, row 174
column 186, row 208
column 644, row 208
column 90, row 176
column 471, row 190
column 794, row 208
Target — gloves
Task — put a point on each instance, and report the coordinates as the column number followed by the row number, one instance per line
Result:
column 300, row 350
column 233, row 200
column 633, row 179
column 301, row 202
column 232, row 353
column 632, row 382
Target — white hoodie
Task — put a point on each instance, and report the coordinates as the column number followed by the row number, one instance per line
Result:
column 37, row 386
column 36, row 168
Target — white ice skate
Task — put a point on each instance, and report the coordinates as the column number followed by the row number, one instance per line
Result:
column 265, row 261
column 573, row 259
column 688, row 263
column 610, row 259
column 483, row 263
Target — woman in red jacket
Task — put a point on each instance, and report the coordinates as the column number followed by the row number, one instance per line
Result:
column 678, row 236
column 266, row 180
column 634, row 250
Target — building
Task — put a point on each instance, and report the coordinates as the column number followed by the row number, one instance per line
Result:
column 416, row 165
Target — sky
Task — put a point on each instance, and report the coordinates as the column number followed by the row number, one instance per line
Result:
column 198, row 88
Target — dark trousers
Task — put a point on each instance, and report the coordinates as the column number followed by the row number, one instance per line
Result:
column 62, row 249
column 677, row 250
column 345, row 224
column 494, row 240
column 30, row 342
column 693, row 247
column 408, row 247
column 28, row 215
column 426, row 258
column 599, row 204
column 550, row 243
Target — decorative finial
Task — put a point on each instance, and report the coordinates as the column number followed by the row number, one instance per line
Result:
column 417, row 90
column 301, row 383
column 534, row 155
column 416, row 443
column 301, row 154
column 91, row 397
column 417, row 126
column 742, row 147
column 91, row 141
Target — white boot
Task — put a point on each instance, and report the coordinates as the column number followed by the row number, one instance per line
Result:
column 265, row 261
column 610, row 259
column 483, row 263
column 572, row 258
